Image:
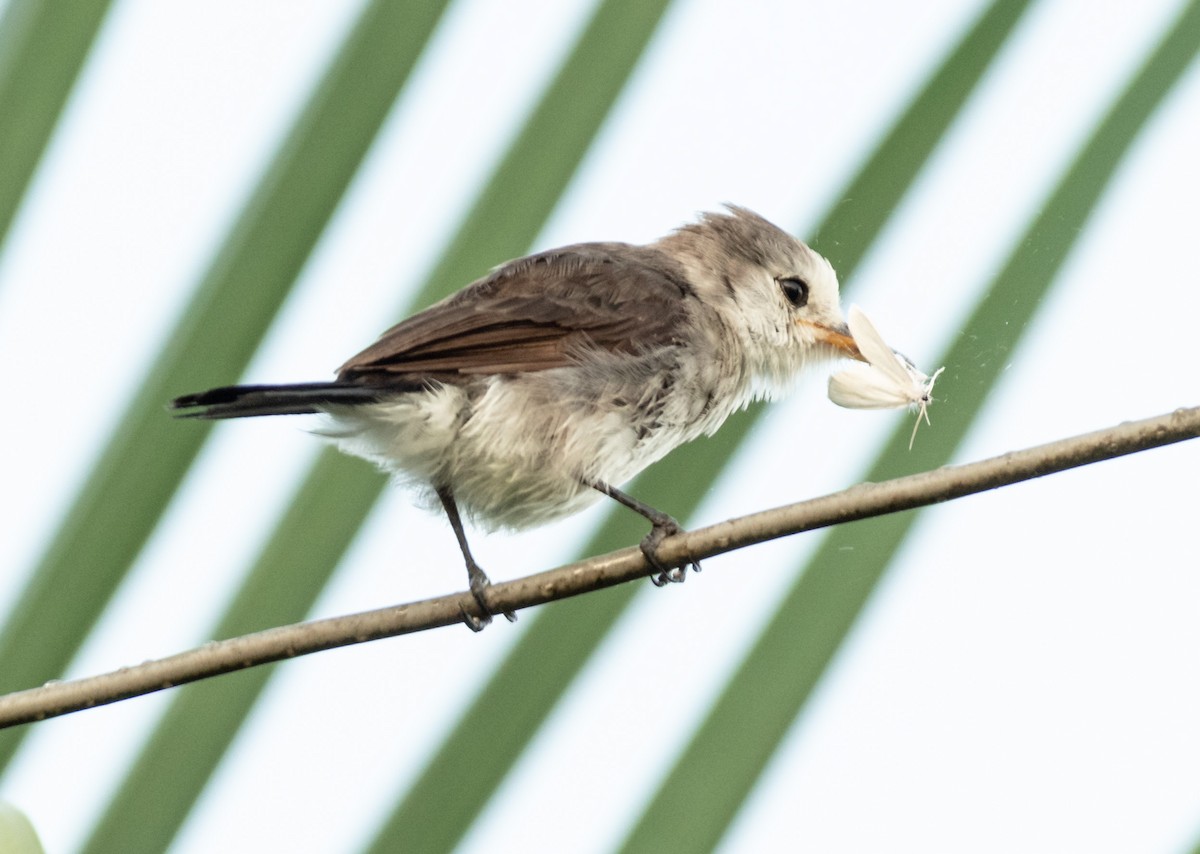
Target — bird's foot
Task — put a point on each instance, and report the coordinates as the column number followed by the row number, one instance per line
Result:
column 479, row 585
column 664, row 526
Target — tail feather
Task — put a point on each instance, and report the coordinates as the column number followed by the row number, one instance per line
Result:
column 244, row 401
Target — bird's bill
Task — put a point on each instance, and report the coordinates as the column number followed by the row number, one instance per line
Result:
column 838, row 337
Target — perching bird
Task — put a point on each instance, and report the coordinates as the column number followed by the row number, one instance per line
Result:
column 525, row 395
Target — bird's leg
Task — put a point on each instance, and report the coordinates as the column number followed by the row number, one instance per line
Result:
column 663, row 526
column 477, row 577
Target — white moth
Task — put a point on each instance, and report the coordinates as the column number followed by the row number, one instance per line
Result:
column 887, row 380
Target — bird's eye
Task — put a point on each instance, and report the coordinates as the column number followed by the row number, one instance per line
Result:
column 796, row 291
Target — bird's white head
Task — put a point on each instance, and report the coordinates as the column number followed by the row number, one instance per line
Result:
column 777, row 296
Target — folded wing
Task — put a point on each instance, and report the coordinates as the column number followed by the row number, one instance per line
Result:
column 534, row 314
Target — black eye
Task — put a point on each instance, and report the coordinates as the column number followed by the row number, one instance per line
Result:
column 796, row 291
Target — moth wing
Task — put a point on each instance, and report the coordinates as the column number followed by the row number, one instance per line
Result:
column 878, row 353
column 862, row 386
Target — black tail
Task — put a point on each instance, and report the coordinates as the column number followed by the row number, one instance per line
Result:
column 244, row 401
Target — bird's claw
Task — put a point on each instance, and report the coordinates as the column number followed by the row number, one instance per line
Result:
column 480, row 583
column 664, row 527
column 474, row 622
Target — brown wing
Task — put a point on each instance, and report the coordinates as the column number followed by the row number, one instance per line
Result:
column 536, row 313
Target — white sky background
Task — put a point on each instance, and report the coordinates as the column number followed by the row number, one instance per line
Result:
column 1028, row 677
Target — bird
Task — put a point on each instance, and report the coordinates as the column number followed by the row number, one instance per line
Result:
column 530, row 393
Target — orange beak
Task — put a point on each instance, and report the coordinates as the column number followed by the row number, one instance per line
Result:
column 838, row 337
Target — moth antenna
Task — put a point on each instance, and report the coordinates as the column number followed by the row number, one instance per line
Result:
column 923, row 406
